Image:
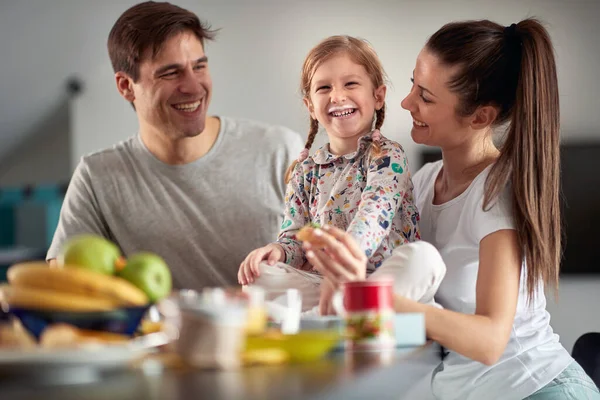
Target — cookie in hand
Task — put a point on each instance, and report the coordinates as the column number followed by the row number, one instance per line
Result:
column 307, row 234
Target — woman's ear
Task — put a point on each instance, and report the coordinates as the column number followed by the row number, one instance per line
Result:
column 309, row 107
column 125, row 86
column 380, row 96
column 483, row 117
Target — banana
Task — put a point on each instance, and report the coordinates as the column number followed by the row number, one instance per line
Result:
column 77, row 281
column 43, row 299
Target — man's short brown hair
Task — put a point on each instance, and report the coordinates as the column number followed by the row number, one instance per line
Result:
column 147, row 26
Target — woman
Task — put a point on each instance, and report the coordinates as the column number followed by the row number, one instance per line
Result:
column 491, row 212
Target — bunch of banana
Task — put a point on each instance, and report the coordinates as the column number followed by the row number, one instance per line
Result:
column 36, row 285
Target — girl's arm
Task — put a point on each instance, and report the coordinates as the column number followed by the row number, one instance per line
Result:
column 388, row 181
column 481, row 336
column 295, row 216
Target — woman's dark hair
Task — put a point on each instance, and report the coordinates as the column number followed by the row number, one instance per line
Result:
column 513, row 68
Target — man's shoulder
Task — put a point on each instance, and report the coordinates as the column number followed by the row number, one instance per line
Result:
column 110, row 157
column 254, row 130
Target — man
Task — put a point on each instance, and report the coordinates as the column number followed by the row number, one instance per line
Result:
column 199, row 191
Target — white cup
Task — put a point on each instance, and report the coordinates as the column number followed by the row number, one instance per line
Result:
column 285, row 308
column 211, row 330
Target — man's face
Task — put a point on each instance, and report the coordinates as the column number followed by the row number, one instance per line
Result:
column 173, row 91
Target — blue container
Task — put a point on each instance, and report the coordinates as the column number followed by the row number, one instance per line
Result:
column 7, row 225
column 11, row 195
column 36, row 221
column 9, row 200
column 124, row 321
column 46, row 192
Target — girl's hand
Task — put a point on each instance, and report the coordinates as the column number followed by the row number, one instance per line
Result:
column 272, row 253
column 340, row 259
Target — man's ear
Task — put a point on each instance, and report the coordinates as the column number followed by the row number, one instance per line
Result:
column 309, row 107
column 380, row 96
column 483, row 117
column 125, row 86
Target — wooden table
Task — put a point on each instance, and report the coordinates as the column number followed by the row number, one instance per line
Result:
column 342, row 375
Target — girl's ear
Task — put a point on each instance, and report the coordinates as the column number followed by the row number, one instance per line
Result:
column 309, row 107
column 380, row 96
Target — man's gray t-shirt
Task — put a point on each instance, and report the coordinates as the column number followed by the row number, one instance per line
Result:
column 203, row 218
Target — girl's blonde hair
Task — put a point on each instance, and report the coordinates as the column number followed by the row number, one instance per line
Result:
column 361, row 52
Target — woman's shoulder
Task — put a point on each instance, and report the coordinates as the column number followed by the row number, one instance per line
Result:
column 426, row 175
column 493, row 215
column 479, row 188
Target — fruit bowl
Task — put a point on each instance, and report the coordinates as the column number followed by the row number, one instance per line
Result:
column 124, row 321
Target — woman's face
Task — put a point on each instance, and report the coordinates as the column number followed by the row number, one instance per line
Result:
column 433, row 106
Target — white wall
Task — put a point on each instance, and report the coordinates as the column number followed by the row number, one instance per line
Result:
column 256, row 59
column 44, row 157
column 256, row 62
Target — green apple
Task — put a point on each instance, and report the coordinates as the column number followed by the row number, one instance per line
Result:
column 90, row 252
column 150, row 273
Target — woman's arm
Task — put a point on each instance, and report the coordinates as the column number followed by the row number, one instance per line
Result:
column 482, row 336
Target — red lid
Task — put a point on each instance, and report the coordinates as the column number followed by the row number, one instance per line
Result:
column 368, row 295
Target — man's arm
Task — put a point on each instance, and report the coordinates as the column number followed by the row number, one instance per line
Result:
column 80, row 212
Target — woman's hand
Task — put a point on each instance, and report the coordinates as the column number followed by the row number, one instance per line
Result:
column 272, row 253
column 326, row 298
column 340, row 259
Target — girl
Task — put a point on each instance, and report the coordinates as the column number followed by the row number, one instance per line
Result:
column 492, row 213
column 359, row 181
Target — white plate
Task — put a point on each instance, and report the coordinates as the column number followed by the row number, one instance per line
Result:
column 81, row 365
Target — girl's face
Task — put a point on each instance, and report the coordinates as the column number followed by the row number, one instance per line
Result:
column 433, row 106
column 342, row 98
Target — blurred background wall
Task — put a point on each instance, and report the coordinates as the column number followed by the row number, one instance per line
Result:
column 46, row 126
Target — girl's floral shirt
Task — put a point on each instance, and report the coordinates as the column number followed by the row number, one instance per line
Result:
column 368, row 194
